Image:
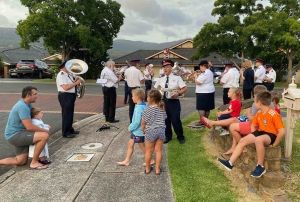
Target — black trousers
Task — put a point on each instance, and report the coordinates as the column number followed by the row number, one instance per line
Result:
column 67, row 103
column 126, row 92
column 269, row 86
column 173, row 110
column 226, row 99
column 148, row 86
column 109, row 105
column 247, row 93
column 131, row 103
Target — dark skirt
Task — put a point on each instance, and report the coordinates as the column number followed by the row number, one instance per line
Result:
column 205, row 101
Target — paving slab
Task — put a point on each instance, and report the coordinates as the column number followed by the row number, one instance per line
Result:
column 97, row 180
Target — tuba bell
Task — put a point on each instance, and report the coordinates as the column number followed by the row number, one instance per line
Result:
column 78, row 67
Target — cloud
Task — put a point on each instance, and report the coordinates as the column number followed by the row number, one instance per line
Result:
column 145, row 20
column 4, row 22
column 153, row 12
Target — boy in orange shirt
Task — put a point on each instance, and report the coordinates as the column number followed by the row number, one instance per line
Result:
column 266, row 129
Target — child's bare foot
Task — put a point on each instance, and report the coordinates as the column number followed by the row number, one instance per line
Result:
column 206, row 122
column 151, row 163
column 123, row 163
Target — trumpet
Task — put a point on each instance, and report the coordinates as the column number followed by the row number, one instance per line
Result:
column 191, row 76
column 78, row 67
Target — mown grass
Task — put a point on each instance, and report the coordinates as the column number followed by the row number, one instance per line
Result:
column 294, row 165
column 194, row 176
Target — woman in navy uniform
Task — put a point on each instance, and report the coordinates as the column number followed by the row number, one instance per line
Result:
column 171, row 101
column 66, row 83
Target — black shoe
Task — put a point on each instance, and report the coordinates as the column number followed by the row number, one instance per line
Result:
column 181, row 141
column 114, row 121
column 75, row 132
column 167, row 140
column 69, row 135
column 225, row 164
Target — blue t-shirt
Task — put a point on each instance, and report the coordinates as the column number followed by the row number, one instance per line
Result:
column 135, row 126
column 19, row 112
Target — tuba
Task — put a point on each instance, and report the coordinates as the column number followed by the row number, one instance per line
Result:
column 78, row 67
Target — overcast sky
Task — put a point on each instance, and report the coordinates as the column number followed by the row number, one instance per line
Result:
column 145, row 20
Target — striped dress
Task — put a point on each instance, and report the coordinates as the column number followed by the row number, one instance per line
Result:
column 154, row 118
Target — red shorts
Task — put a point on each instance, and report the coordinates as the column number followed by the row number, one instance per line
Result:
column 245, row 128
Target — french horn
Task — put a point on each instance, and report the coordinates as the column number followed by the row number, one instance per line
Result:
column 78, row 67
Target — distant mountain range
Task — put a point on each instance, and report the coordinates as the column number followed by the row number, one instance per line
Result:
column 10, row 39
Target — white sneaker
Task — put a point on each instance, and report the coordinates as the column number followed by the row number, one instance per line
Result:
column 224, row 132
column 218, row 128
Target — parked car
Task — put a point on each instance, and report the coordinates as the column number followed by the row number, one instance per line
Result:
column 13, row 73
column 33, row 68
column 217, row 73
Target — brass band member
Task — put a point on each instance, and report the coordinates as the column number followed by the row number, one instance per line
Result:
column 109, row 91
column 230, row 79
column 66, row 83
column 205, row 90
column 171, row 101
column 148, row 75
column 134, row 79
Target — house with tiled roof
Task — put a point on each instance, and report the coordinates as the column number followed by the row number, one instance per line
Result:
column 181, row 53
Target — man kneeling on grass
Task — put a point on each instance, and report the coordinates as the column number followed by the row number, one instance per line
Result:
column 266, row 129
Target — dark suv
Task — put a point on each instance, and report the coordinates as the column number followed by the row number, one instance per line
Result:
column 33, row 68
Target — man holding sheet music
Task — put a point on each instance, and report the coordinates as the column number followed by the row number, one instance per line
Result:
column 109, row 82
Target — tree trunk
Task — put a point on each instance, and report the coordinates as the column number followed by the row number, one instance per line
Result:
column 290, row 67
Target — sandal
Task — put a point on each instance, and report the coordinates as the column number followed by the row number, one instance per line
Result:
column 158, row 173
column 151, row 168
column 40, row 167
column 45, row 162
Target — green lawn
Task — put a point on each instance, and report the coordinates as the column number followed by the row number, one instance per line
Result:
column 294, row 166
column 194, row 176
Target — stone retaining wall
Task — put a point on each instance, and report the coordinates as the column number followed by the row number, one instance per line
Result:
column 273, row 178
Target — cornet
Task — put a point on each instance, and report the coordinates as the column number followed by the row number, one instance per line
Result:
column 78, row 67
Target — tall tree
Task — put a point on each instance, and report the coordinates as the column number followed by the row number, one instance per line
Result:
column 72, row 25
column 226, row 36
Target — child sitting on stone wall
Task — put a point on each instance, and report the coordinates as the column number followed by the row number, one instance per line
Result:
column 228, row 116
column 243, row 128
column 266, row 130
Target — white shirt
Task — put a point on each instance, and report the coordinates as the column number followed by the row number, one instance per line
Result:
column 65, row 78
column 231, row 78
column 259, row 74
column 207, row 82
column 133, row 76
column 175, row 82
column 108, row 74
column 40, row 123
column 147, row 74
column 272, row 75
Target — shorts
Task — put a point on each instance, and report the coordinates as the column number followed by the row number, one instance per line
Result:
column 224, row 116
column 245, row 128
column 155, row 134
column 21, row 141
column 260, row 133
column 137, row 139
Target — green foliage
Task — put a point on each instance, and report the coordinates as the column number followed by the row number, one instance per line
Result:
column 72, row 26
column 245, row 26
column 194, row 176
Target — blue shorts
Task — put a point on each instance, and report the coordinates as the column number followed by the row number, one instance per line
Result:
column 137, row 139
